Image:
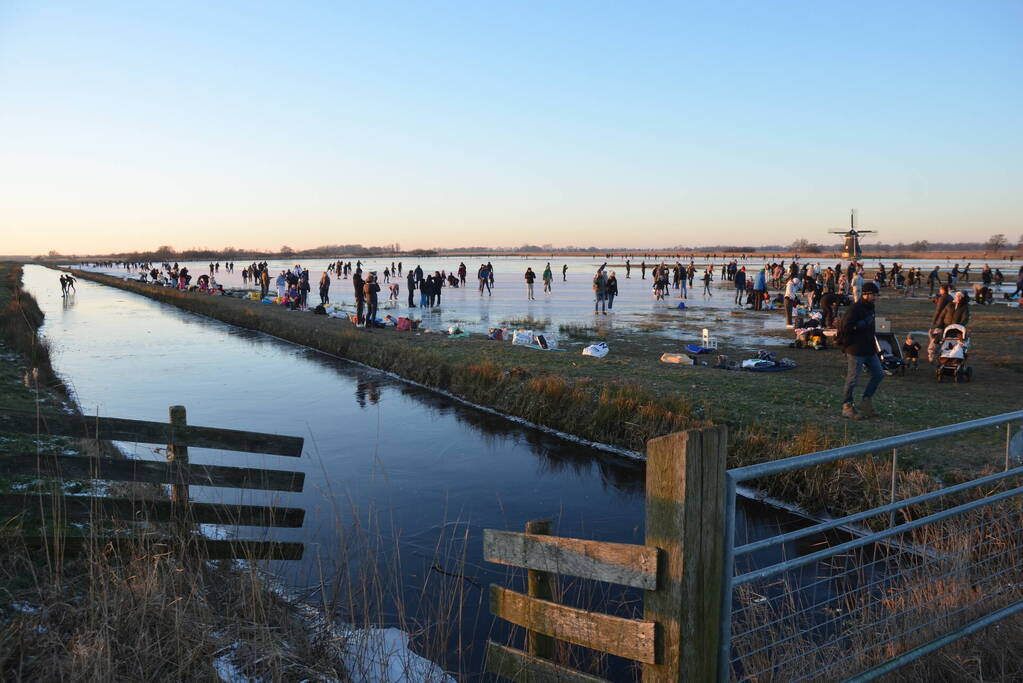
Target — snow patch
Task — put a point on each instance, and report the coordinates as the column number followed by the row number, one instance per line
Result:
column 381, row 655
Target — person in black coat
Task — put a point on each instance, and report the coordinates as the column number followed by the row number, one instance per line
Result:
column 370, row 290
column 957, row 312
column 829, row 308
column 360, row 296
column 612, row 290
column 856, row 335
column 940, row 303
column 411, row 280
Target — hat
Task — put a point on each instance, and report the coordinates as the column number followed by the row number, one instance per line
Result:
column 870, row 288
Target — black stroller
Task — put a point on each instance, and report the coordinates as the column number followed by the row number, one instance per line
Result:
column 890, row 352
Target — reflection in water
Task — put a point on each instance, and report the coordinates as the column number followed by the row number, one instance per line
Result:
column 366, row 387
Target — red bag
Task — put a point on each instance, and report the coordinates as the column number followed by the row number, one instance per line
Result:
column 404, row 324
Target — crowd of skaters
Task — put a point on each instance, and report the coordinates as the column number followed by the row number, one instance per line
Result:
column 800, row 283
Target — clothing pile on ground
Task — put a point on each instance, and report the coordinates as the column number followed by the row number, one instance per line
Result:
column 765, row 361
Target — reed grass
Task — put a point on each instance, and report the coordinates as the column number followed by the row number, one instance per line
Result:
column 971, row 569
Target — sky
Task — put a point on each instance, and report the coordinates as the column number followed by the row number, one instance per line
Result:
column 130, row 125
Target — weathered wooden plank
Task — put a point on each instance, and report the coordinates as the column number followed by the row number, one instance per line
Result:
column 178, row 454
column 621, row 563
column 705, row 634
column 516, row 665
column 540, row 584
column 685, row 478
column 141, row 431
column 147, row 471
column 83, row 507
column 629, row 638
column 203, row 548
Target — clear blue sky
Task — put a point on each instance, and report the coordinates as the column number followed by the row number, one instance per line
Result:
column 128, row 125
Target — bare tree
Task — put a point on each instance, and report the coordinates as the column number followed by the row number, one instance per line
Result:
column 804, row 246
column 997, row 243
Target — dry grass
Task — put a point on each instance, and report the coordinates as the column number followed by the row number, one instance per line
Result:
column 972, row 570
column 142, row 615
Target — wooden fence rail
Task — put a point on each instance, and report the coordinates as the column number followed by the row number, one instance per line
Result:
column 621, row 563
column 679, row 568
column 209, row 549
column 148, row 471
column 56, row 508
column 78, row 508
column 141, row 431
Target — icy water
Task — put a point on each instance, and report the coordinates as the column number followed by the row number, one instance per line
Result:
column 571, row 301
column 408, row 468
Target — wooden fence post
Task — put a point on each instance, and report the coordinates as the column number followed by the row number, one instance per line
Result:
column 540, row 585
column 178, row 454
column 685, row 482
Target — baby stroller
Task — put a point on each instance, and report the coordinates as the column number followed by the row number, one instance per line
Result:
column 890, row 352
column 953, row 360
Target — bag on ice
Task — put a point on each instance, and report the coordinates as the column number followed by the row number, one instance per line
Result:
column 523, row 337
column 598, row 350
column 545, row 341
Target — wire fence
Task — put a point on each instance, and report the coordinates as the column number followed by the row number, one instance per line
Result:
column 856, row 597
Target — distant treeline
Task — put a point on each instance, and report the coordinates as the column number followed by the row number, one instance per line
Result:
column 166, row 253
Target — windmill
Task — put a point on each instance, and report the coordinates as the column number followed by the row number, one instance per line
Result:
column 851, row 247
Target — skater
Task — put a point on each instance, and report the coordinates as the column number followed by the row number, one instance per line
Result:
column 600, row 291
column 739, row 277
column 411, row 281
column 371, row 288
column 360, row 295
column 324, row 289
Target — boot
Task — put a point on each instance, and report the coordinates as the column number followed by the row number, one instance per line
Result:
column 867, row 407
column 849, row 411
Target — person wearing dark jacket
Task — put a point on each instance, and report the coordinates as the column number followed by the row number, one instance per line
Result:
column 957, row 312
column 612, row 290
column 360, row 296
column 370, row 290
column 856, row 334
column 829, row 308
column 940, row 303
column 740, row 285
column 411, row 279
